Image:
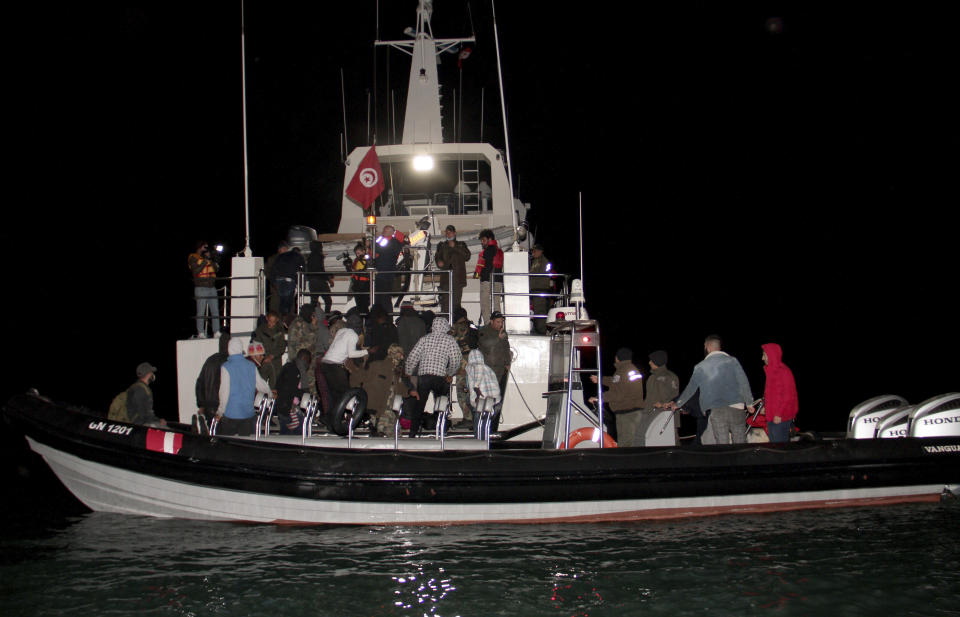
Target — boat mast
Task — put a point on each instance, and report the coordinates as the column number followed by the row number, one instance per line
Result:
column 247, row 252
column 506, row 134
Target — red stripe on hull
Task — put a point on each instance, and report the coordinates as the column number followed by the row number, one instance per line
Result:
column 665, row 513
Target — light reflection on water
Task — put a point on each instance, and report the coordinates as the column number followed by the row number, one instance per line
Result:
column 894, row 560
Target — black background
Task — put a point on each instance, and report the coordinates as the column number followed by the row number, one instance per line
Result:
column 768, row 172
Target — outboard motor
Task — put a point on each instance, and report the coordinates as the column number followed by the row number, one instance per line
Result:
column 894, row 423
column 300, row 236
column 863, row 419
column 937, row 417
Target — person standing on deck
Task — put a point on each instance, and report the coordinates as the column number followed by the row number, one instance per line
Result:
column 489, row 263
column 539, row 264
column 662, row 387
column 271, row 334
column 494, row 344
column 435, row 359
column 207, row 389
column 388, row 250
column 239, row 383
column 344, row 346
column 290, row 389
column 318, row 279
column 204, row 269
column 285, row 270
column 410, row 328
column 360, row 279
column 452, row 254
column 468, row 338
column 779, row 394
column 724, row 391
column 624, row 395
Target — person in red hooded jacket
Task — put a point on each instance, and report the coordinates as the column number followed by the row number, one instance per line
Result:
column 779, row 393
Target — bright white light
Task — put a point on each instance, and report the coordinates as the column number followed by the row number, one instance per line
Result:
column 423, row 162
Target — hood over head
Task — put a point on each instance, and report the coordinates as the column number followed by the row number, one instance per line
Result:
column 440, row 324
column 774, row 354
column 475, row 357
column 236, row 346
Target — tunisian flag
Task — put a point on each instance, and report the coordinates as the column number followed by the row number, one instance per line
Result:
column 367, row 183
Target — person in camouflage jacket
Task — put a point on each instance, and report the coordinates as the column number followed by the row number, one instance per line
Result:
column 465, row 333
column 303, row 335
column 271, row 334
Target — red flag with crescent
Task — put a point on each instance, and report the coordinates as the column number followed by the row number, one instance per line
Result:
column 367, row 183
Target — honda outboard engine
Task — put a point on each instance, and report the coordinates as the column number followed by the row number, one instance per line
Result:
column 937, row 417
column 863, row 419
column 894, row 423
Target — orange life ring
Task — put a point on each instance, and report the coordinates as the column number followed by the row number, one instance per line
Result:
column 589, row 434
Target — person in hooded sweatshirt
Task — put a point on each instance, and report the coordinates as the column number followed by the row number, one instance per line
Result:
column 779, row 394
column 481, row 381
column 239, row 383
column 435, row 359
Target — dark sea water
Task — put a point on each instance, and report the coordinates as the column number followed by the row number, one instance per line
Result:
column 899, row 560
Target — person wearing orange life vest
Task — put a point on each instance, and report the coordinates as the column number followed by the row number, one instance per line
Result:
column 204, row 270
column 489, row 262
column 360, row 279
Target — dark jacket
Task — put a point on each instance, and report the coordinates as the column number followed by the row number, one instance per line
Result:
column 287, row 265
column 315, row 264
column 495, row 350
column 288, row 387
column 274, row 343
column 208, row 383
column 378, row 339
column 140, row 404
column 410, row 329
column 453, row 258
column 387, row 256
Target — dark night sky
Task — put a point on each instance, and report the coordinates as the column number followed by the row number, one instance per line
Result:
column 770, row 172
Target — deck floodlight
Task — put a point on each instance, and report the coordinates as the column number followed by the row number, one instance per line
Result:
column 371, row 220
column 423, row 162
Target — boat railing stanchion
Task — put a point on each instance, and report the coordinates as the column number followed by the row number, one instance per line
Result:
column 442, row 409
column 398, row 410
column 262, row 404
column 309, row 404
column 352, row 419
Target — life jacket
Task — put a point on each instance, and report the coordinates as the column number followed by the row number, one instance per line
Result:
column 497, row 259
column 360, row 270
column 207, row 272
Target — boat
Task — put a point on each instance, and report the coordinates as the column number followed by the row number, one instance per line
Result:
column 550, row 459
column 124, row 468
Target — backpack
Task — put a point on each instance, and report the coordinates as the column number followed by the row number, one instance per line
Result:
column 118, row 408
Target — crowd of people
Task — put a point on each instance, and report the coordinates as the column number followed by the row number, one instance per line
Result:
column 330, row 354
column 421, row 353
column 718, row 395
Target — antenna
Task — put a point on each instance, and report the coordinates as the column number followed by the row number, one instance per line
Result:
column 581, row 238
column 343, row 101
column 247, row 252
column 506, row 134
